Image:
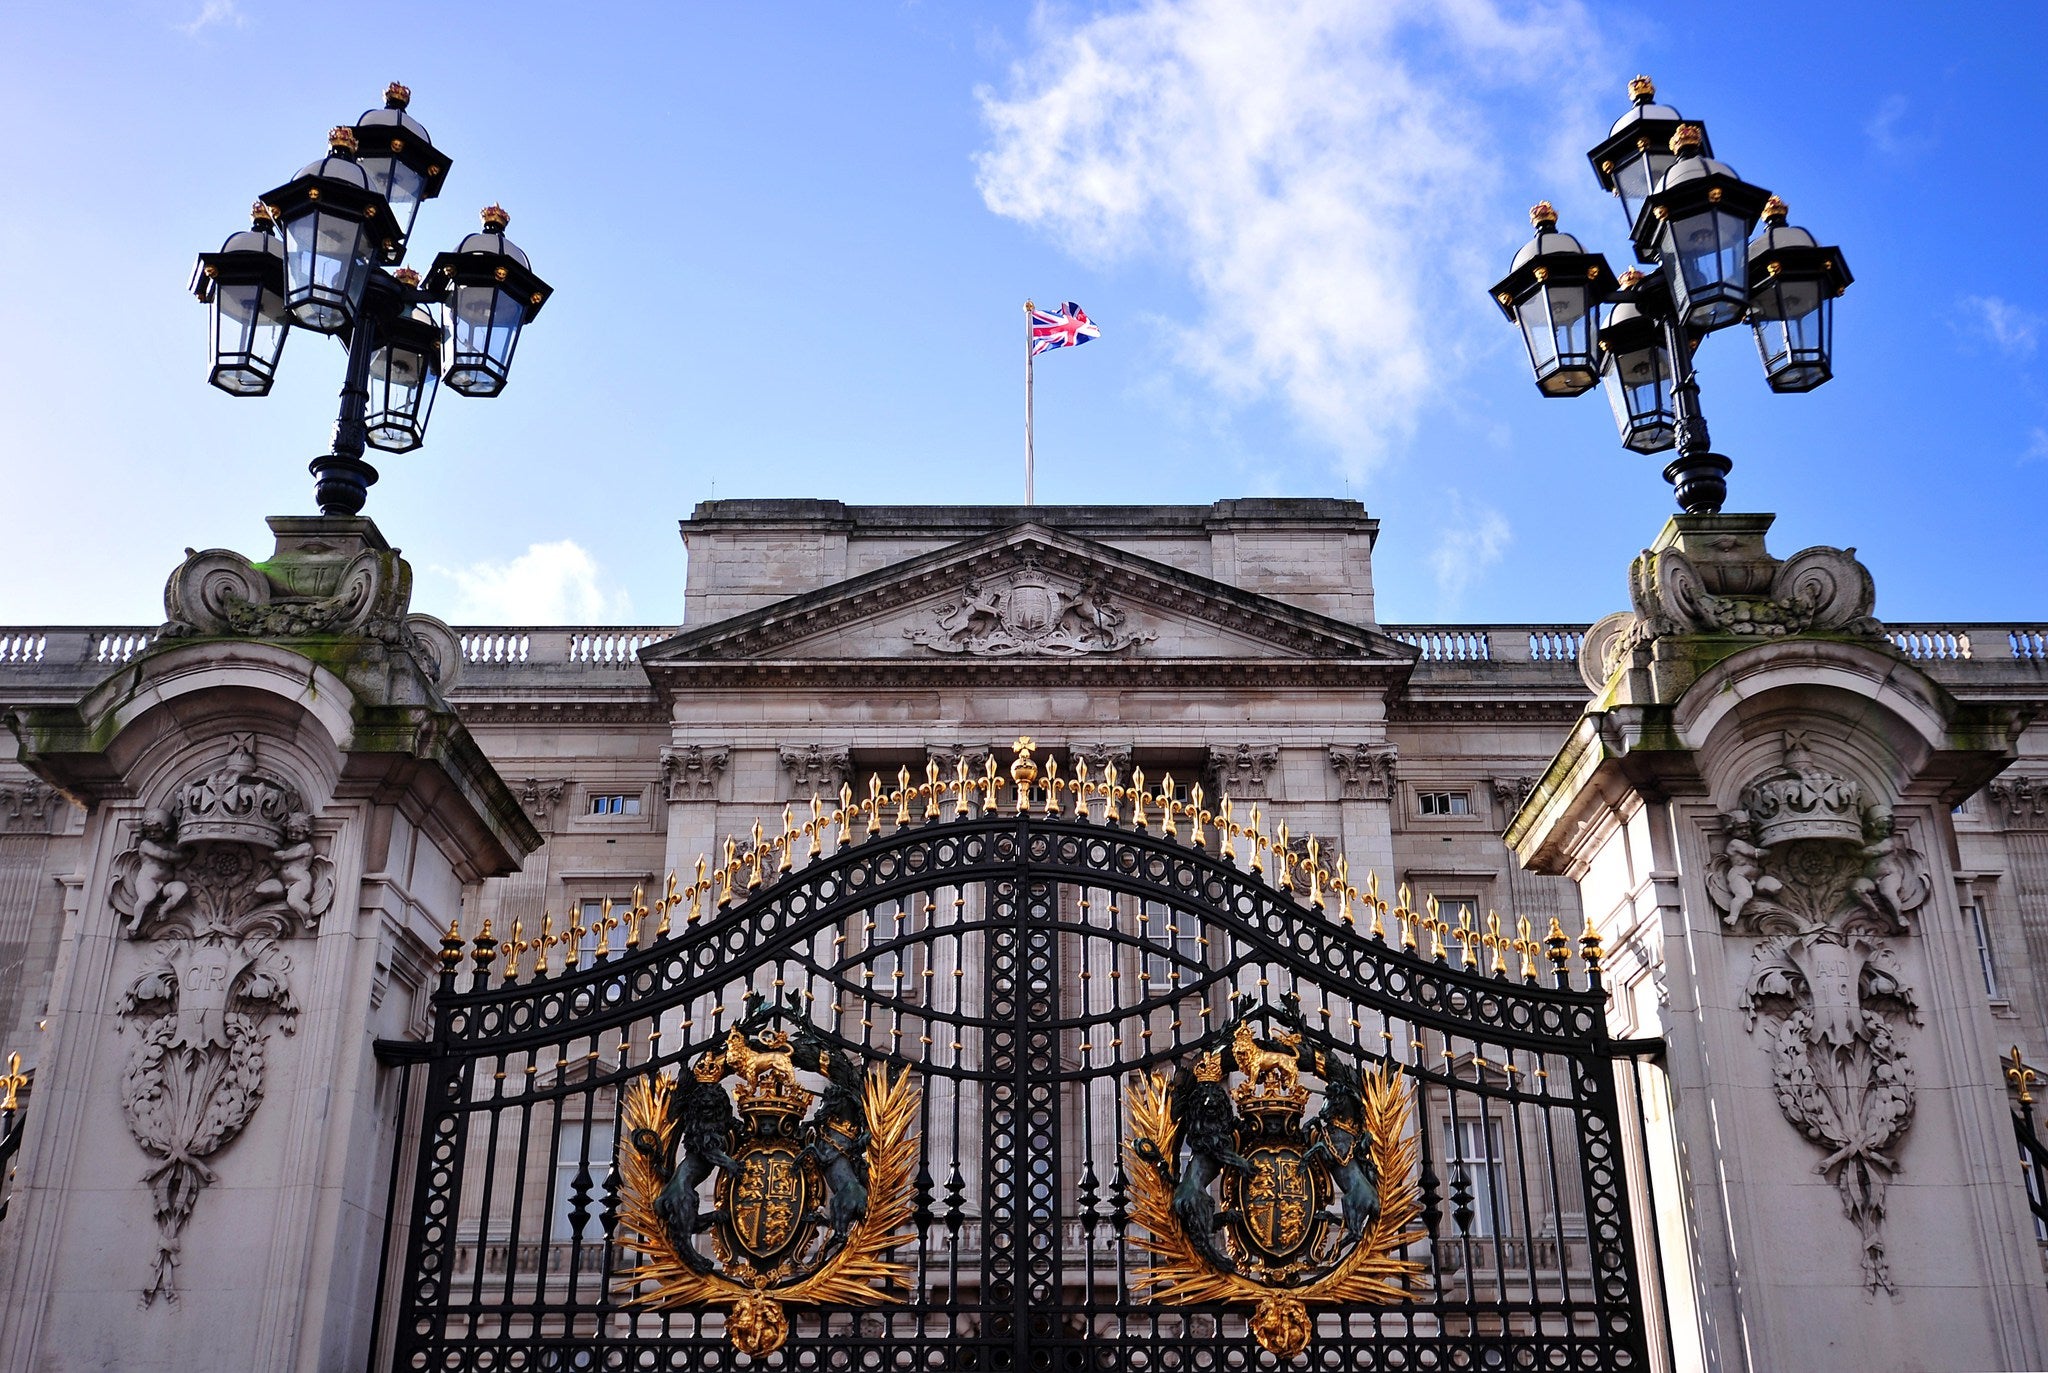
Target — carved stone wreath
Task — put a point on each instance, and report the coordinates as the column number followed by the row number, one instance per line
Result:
column 213, row 886
column 1821, row 872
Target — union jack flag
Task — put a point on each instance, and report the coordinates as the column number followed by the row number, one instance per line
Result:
column 1066, row 327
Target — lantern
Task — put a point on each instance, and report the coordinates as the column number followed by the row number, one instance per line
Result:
column 1631, row 161
column 1636, row 364
column 404, row 373
column 244, row 283
column 489, row 292
column 1793, row 283
column 1552, row 292
column 400, row 161
column 334, row 226
column 1697, row 225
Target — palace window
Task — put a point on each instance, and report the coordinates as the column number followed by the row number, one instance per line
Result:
column 1458, row 910
column 1444, row 802
column 1178, row 936
column 1473, row 1154
column 573, row 1159
column 1987, row 959
column 615, row 803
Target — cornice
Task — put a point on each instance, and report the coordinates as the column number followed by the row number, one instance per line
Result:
column 1181, row 674
column 568, row 712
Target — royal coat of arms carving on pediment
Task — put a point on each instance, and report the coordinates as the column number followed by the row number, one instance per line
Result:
column 1029, row 613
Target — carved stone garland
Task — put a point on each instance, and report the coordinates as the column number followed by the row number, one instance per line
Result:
column 1820, row 872
column 214, row 885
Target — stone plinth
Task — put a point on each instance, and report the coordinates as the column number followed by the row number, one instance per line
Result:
column 282, row 814
column 1757, row 809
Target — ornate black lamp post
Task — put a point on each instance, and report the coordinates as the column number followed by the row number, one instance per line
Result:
column 1690, row 220
column 323, row 257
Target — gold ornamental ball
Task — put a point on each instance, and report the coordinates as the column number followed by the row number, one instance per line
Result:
column 1281, row 1325
column 758, row 1325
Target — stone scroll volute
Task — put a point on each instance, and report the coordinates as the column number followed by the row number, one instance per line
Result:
column 1813, row 867
column 219, row 880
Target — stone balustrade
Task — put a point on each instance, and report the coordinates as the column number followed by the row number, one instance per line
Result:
column 33, row 653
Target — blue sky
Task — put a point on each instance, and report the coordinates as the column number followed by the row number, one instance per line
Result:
column 790, row 244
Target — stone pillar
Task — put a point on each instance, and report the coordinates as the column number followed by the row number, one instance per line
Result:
column 1756, row 808
column 282, row 812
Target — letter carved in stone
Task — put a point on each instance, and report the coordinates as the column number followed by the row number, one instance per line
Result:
column 1824, row 876
column 1027, row 613
column 691, row 773
column 214, row 886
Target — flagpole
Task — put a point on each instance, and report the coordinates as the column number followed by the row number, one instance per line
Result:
column 1028, row 457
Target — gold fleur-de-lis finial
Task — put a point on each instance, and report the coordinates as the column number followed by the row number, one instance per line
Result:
column 14, row 1079
column 2018, row 1074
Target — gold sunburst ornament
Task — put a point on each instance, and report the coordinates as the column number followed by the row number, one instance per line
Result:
column 1273, row 1245
column 776, row 1246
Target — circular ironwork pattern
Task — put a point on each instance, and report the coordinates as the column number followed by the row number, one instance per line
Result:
column 1022, row 967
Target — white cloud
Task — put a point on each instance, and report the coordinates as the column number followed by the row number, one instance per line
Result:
column 548, row 584
column 2037, row 445
column 212, row 14
column 1471, row 540
column 2013, row 330
column 1890, row 132
column 1327, row 175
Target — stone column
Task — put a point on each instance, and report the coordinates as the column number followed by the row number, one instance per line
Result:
column 1756, row 808
column 282, row 812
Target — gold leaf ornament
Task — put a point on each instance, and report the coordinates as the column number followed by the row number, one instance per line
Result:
column 1371, row 1273
column 859, row 1272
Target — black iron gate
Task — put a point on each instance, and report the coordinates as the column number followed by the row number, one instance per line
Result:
column 981, row 1035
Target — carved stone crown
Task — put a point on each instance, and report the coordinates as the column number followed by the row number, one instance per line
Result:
column 1802, row 800
column 234, row 802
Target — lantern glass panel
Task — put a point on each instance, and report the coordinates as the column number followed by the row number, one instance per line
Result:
column 1711, row 251
column 1557, row 323
column 326, row 263
column 249, row 326
column 1793, row 317
column 482, row 330
column 1636, row 175
column 403, row 380
column 1639, row 390
column 399, row 184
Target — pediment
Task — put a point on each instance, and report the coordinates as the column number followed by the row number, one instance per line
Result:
column 1028, row 594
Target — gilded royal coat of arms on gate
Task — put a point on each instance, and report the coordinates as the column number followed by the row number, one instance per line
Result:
column 811, row 1190
column 1240, row 1199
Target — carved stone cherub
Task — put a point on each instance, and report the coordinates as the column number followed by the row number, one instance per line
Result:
column 1893, row 883
column 294, row 880
column 154, row 881
column 1742, row 867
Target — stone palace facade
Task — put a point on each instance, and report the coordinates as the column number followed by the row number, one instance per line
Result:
column 1234, row 645
column 831, row 652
